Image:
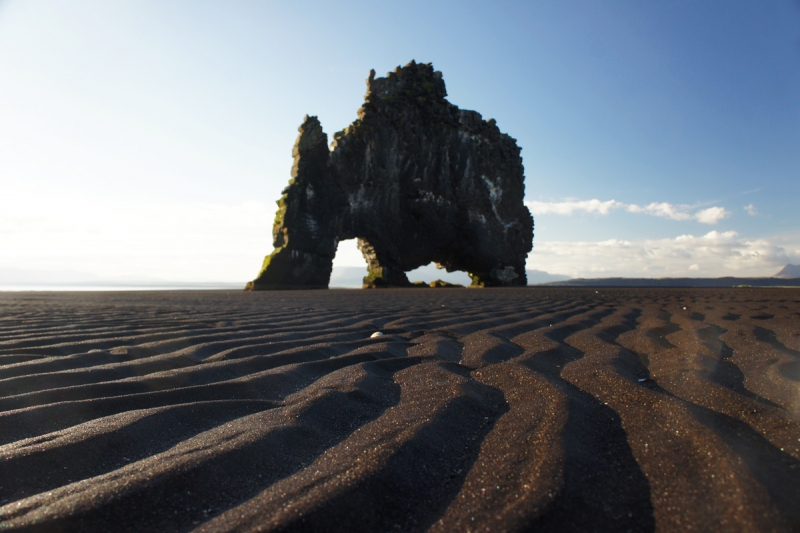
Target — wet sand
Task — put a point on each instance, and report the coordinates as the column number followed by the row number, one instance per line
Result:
column 540, row 409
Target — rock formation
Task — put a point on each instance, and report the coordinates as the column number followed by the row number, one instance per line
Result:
column 416, row 180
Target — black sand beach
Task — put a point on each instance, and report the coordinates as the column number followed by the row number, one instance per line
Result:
column 544, row 409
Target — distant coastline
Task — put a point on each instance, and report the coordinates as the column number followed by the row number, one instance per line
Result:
column 99, row 286
column 351, row 278
column 676, row 282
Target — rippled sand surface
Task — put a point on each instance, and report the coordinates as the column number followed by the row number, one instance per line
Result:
column 477, row 410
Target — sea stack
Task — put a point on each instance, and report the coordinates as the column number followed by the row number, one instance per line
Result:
column 416, row 180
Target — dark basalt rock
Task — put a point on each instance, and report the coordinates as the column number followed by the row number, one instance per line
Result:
column 416, row 180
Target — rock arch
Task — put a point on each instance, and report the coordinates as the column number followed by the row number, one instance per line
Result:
column 415, row 179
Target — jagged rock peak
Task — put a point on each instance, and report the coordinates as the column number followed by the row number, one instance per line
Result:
column 414, row 81
column 311, row 135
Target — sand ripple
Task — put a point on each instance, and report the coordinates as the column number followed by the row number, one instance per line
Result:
column 476, row 410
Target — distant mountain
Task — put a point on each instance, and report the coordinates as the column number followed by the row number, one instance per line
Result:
column 347, row 277
column 540, row 277
column 788, row 272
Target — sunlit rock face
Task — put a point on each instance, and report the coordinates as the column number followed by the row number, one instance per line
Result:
column 416, row 180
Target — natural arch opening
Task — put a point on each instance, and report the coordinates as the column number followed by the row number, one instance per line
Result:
column 430, row 273
column 349, row 266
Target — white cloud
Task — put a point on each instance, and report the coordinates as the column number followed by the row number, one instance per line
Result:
column 568, row 207
column 719, row 253
column 711, row 215
column 751, row 210
column 660, row 209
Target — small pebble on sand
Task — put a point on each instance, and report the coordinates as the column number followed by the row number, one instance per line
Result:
column 376, row 334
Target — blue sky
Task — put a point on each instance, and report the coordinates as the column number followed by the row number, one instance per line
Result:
column 150, row 139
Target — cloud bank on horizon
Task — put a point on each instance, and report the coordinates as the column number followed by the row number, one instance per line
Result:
column 715, row 254
column 712, row 254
